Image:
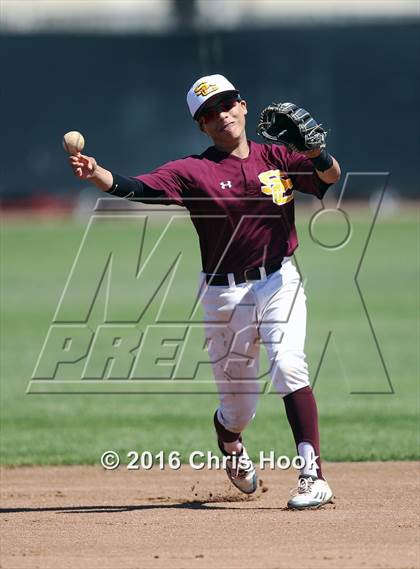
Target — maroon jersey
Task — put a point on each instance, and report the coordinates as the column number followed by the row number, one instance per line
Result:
column 242, row 209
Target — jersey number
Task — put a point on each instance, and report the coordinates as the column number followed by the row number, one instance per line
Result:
column 275, row 184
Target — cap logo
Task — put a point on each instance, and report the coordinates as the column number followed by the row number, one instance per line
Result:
column 205, row 89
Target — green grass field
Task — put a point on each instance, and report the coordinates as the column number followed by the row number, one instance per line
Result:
column 360, row 417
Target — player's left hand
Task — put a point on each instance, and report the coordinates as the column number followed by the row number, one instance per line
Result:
column 288, row 124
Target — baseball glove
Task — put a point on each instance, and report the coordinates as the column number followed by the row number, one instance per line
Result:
column 288, row 124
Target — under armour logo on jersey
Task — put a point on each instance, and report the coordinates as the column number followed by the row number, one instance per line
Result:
column 225, row 185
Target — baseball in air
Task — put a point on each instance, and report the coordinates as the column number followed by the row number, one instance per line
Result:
column 73, row 142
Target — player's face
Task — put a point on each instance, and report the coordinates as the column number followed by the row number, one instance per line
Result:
column 224, row 120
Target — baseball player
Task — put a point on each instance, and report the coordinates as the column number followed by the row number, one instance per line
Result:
column 250, row 290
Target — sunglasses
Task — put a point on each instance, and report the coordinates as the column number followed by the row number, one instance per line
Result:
column 210, row 113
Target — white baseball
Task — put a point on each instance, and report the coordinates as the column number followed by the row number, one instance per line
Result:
column 73, row 142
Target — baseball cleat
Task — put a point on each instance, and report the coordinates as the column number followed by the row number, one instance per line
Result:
column 241, row 472
column 310, row 493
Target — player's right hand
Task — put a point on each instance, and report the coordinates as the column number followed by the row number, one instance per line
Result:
column 83, row 166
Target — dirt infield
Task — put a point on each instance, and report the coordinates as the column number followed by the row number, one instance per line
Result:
column 79, row 517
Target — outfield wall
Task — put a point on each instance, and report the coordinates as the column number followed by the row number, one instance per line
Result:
column 127, row 95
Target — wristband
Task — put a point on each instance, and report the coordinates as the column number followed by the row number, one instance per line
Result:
column 322, row 162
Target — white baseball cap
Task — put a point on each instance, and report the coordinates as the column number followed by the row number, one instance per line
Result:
column 204, row 89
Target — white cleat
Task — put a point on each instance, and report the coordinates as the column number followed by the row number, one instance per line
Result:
column 310, row 493
column 241, row 472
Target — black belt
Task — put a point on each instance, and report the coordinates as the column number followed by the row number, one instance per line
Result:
column 253, row 274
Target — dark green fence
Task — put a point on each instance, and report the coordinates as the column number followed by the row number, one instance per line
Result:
column 126, row 94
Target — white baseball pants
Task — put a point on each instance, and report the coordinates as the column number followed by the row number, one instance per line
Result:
column 238, row 318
